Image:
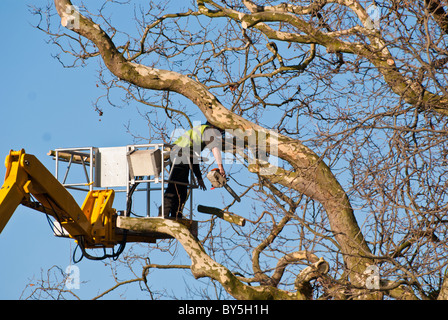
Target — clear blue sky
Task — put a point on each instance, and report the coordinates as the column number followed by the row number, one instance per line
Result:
column 44, row 106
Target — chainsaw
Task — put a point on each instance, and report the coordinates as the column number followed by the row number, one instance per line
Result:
column 219, row 181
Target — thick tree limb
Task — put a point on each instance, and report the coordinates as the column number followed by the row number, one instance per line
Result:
column 202, row 265
column 317, row 267
column 225, row 215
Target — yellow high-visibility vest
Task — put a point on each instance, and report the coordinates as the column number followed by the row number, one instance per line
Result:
column 192, row 137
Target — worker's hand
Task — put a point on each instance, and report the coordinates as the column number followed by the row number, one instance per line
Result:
column 202, row 185
column 221, row 170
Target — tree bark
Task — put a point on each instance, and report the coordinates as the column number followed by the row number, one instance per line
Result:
column 202, row 265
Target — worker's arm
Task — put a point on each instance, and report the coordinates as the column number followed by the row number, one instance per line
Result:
column 217, row 154
column 212, row 138
column 198, row 174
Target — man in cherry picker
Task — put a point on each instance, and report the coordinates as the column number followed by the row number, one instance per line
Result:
column 185, row 156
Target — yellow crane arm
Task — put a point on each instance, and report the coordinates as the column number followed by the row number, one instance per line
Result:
column 11, row 193
column 93, row 225
column 26, row 175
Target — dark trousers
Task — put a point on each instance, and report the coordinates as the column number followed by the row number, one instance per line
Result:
column 176, row 194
